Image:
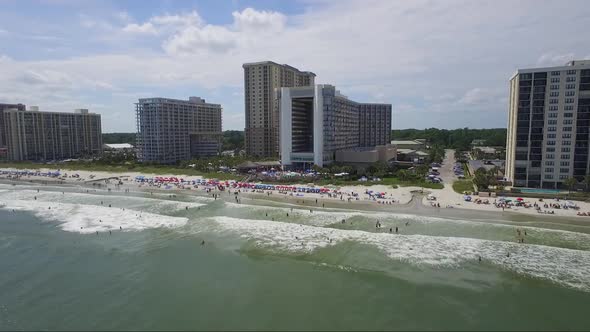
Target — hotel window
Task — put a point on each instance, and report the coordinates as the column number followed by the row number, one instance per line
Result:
column 570, row 93
column 554, row 94
column 569, row 100
column 564, row 163
column 553, row 108
column 565, row 149
column 570, row 79
column 564, row 170
column 568, row 115
column 550, row 142
column 563, row 177
column 549, row 163
column 554, row 86
column 552, row 122
column 548, row 176
column 555, row 73
column 548, row 170
column 553, row 101
column 566, row 143
column 555, row 80
column 565, row 156
column 571, row 72
column 568, row 122
column 567, row 128
column 570, row 86
column 551, row 128
column 550, row 150
column 550, row 156
column 551, row 135
column 552, row 115
column 566, row 135
column 568, row 108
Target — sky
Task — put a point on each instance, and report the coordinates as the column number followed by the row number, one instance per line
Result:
column 442, row 63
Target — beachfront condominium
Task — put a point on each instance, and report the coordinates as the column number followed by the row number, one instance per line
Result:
column 3, row 107
column 548, row 125
column 317, row 122
column 170, row 130
column 41, row 136
column 261, row 79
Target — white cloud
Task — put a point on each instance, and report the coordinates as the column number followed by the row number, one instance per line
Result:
column 552, row 59
column 189, row 19
column 140, row 28
column 251, row 19
column 428, row 58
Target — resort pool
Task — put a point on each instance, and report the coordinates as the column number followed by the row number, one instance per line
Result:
column 539, row 191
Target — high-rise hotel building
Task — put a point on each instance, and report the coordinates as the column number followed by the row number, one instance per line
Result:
column 261, row 79
column 317, row 122
column 549, row 125
column 42, row 136
column 170, row 130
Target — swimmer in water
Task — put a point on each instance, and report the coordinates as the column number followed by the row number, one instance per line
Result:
column 203, row 242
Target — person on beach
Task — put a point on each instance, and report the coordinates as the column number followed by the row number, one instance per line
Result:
column 390, row 230
column 203, row 242
column 120, row 228
column 479, row 258
column 395, row 229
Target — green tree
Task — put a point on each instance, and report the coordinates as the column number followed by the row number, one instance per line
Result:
column 481, row 178
column 586, row 182
column 570, row 183
column 403, row 175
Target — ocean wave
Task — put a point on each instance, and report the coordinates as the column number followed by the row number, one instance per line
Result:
column 563, row 266
column 87, row 219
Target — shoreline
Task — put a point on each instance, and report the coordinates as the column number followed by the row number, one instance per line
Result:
column 407, row 200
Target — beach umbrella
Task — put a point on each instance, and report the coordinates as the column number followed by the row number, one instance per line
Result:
column 520, row 199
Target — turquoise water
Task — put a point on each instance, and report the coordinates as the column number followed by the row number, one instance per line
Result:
column 151, row 271
column 539, row 191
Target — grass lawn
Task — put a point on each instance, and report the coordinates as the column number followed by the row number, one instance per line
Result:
column 461, row 186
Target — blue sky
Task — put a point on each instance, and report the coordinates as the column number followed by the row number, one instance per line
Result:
column 440, row 63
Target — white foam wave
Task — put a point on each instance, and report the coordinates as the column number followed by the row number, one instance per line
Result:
column 563, row 266
column 121, row 201
column 91, row 219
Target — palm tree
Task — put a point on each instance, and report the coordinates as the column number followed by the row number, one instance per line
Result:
column 570, row 183
column 586, row 181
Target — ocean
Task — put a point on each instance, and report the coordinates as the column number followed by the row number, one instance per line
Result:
column 98, row 260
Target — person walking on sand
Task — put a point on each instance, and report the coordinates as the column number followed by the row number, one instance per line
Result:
column 396, row 230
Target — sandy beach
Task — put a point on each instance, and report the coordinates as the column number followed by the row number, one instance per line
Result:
column 354, row 195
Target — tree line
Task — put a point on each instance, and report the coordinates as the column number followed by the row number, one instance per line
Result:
column 453, row 138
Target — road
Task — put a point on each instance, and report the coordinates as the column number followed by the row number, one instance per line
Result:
column 446, row 171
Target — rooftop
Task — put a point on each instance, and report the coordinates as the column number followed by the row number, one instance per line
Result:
column 119, row 146
column 191, row 100
column 406, row 142
column 274, row 63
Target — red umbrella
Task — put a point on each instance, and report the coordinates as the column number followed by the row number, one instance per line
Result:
column 520, row 199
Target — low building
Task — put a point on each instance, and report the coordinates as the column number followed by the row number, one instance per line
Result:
column 119, row 148
column 367, row 155
column 417, row 144
column 41, row 136
column 318, row 121
column 411, row 156
column 474, row 165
